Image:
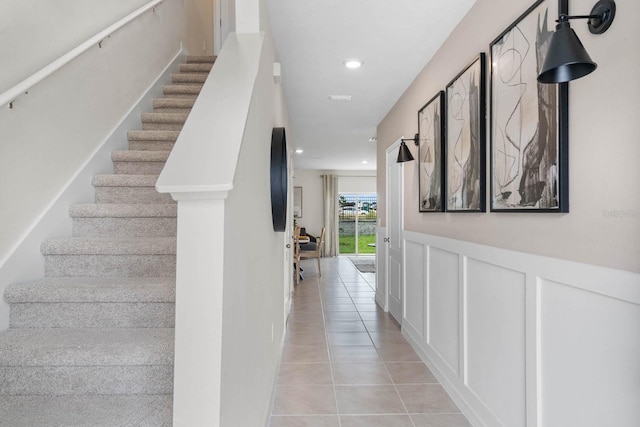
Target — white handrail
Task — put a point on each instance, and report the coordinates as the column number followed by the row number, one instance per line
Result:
column 23, row 87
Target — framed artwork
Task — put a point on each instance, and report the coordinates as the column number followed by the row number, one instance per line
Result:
column 528, row 125
column 431, row 128
column 465, row 142
column 297, row 202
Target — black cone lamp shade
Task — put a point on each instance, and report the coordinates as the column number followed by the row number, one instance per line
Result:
column 404, row 155
column 567, row 58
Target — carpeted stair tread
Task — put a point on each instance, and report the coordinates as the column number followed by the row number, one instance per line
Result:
column 183, row 103
column 197, row 78
column 116, row 180
column 164, row 117
column 182, row 91
column 139, row 156
column 109, row 246
column 154, row 135
column 209, row 59
column 86, row 346
column 92, row 290
column 123, row 210
column 88, row 410
column 203, row 67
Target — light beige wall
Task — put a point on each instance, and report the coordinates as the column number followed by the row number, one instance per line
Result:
column 603, row 226
column 199, row 37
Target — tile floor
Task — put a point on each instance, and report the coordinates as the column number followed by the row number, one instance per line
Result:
column 346, row 364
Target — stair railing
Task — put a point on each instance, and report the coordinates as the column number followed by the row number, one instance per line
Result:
column 8, row 97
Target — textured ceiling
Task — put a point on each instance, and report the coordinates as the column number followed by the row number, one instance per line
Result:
column 393, row 38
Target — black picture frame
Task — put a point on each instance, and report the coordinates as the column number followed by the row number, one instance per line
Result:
column 528, row 123
column 466, row 139
column 431, row 154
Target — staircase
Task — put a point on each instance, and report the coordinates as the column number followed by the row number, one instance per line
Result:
column 91, row 343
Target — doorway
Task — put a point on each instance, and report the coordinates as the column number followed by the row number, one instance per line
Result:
column 357, row 217
column 395, row 201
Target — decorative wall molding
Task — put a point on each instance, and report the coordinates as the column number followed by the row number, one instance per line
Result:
column 524, row 340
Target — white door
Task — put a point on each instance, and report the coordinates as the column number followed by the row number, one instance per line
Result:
column 221, row 24
column 394, row 230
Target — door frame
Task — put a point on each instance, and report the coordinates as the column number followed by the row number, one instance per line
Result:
column 390, row 157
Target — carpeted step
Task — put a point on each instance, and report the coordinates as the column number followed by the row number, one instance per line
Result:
column 189, row 78
column 202, row 67
column 163, row 121
column 86, row 361
column 153, row 140
column 128, row 189
column 199, row 59
column 97, row 411
column 173, row 105
column 139, row 162
column 182, row 91
column 110, row 257
column 113, row 219
column 90, row 302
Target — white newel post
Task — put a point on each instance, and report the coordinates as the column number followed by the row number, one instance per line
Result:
column 199, row 286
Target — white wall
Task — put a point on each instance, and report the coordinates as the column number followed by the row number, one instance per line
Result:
column 603, row 224
column 254, row 271
column 522, row 340
column 34, row 33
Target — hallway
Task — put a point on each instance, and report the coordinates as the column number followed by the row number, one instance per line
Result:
column 346, row 364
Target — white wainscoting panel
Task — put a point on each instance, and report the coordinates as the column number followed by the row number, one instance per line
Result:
column 520, row 340
column 587, row 356
column 415, row 289
column 443, row 307
column 494, row 357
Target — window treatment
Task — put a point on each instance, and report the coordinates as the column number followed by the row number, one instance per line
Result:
column 330, row 204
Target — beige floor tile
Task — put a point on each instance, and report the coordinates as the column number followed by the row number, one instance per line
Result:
column 305, row 338
column 304, row 374
column 304, row 400
column 342, row 315
column 368, row 400
column 398, row 353
column 345, row 326
column 304, row 316
column 354, row 353
column 375, row 421
column 410, row 373
column 305, row 327
column 381, row 325
column 305, row 421
column 305, row 353
column 426, row 398
column 388, row 338
column 369, row 307
column 349, row 338
column 376, row 315
column 439, row 420
column 338, row 307
column 360, row 373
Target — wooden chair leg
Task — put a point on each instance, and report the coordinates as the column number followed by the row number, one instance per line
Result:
column 319, row 272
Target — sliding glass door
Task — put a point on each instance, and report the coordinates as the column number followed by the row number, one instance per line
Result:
column 357, row 217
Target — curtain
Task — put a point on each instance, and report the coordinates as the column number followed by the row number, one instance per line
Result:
column 330, row 203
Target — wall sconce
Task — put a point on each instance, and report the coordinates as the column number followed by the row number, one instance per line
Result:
column 567, row 58
column 404, row 155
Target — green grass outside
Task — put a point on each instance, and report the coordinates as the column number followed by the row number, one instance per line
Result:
column 348, row 244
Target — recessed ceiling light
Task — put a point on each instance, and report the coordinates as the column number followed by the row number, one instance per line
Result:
column 299, row 151
column 373, row 139
column 364, row 162
column 340, row 97
column 353, row 63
